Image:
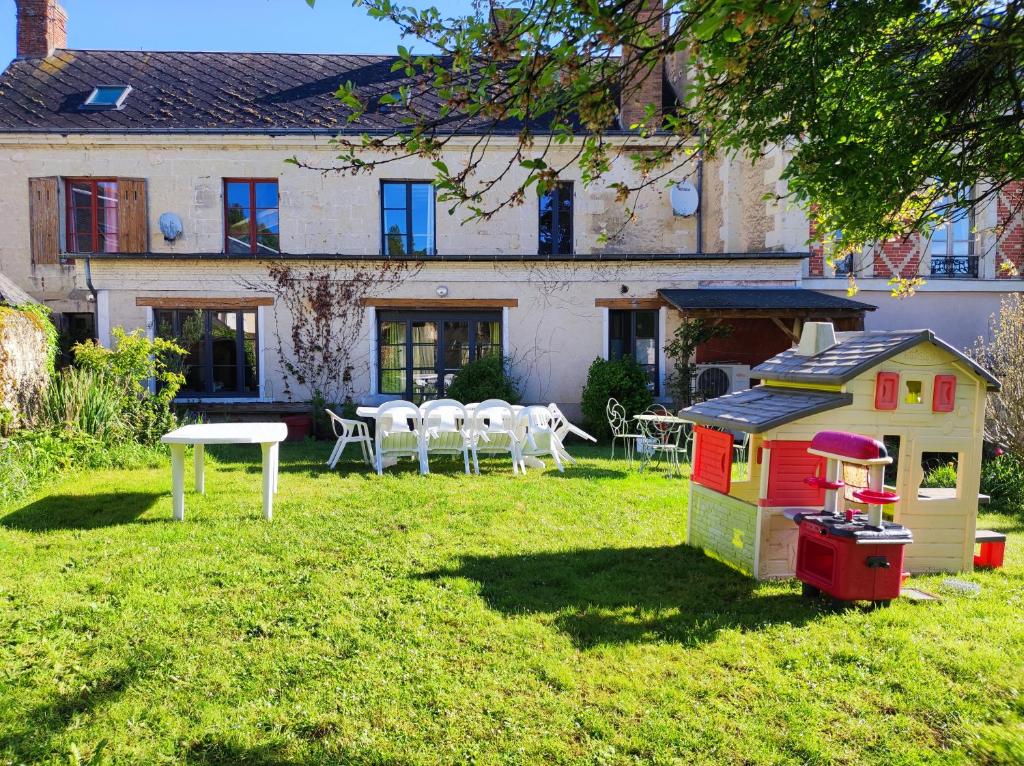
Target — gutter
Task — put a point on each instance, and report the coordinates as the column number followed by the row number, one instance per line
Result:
column 459, row 258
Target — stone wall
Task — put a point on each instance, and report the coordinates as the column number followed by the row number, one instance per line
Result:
column 24, row 364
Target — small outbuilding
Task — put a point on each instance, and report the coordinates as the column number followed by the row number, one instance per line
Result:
column 920, row 396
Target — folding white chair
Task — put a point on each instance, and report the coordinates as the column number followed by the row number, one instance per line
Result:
column 493, row 432
column 562, row 428
column 349, row 432
column 537, row 437
column 394, row 437
column 445, row 430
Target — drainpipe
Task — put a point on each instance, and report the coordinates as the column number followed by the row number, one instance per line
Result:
column 95, row 295
column 700, row 199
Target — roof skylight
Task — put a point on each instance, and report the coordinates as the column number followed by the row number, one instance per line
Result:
column 107, row 97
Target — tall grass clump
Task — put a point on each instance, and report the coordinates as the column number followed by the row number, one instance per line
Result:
column 86, row 401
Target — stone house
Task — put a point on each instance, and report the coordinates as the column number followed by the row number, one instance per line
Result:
column 150, row 190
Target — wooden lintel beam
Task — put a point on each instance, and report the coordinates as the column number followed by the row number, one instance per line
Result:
column 635, row 304
column 440, row 303
column 183, row 302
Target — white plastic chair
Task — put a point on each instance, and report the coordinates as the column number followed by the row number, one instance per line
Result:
column 741, row 454
column 619, row 425
column 562, row 428
column 394, row 438
column 445, row 430
column 349, row 432
column 537, row 437
column 493, row 432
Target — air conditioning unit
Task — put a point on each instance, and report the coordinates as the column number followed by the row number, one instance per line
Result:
column 713, row 380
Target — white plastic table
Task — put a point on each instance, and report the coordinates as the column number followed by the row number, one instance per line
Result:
column 267, row 435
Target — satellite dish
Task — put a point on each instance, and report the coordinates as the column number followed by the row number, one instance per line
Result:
column 684, row 198
column 170, row 226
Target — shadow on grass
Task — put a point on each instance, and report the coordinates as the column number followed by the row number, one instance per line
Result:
column 90, row 511
column 44, row 723
column 629, row 595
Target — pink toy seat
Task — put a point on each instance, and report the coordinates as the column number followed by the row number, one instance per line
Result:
column 876, row 496
column 852, row 446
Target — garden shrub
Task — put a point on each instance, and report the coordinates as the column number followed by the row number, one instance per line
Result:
column 484, row 378
column 1002, row 479
column 133, row 362
column 940, row 476
column 621, row 379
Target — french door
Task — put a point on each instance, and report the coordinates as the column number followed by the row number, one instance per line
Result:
column 419, row 352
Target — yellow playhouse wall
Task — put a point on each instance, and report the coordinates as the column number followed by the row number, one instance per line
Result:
column 943, row 529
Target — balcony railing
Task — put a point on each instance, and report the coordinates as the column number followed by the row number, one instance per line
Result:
column 955, row 266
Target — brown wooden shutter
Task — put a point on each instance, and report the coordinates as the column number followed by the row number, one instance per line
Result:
column 132, row 215
column 44, row 220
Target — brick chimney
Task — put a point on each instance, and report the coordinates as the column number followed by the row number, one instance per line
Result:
column 644, row 85
column 42, row 27
column 504, row 22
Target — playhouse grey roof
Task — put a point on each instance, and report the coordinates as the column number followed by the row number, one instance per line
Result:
column 855, row 353
column 760, row 299
column 763, row 407
column 198, row 92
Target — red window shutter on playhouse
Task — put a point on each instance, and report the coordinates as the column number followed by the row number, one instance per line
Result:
column 712, row 461
column 944, row 393
column 887, row 390
column 789, row 465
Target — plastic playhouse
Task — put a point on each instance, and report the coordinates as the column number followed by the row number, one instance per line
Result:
column 907, row 390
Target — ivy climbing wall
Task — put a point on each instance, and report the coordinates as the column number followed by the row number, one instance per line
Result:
column 25, row 363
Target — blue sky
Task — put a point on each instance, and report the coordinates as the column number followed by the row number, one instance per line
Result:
column 222, row 25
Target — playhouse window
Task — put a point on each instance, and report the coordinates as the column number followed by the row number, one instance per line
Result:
column 913, row 395
column 940, row 476
column 892, row 447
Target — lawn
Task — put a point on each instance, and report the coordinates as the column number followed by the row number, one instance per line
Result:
column 448, row 619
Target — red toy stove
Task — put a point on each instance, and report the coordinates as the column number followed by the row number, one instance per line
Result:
column 850, row 560
column 850, row 556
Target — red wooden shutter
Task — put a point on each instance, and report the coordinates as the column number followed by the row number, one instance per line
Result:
column 790, row 464
column 887, row 390
column 132, row 220
column 44, row 220
column 944, row 393
column 712, row 460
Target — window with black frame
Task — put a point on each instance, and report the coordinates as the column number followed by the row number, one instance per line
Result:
column 221, row 357
column 952, row 242
column 407, row 218
column 635, row 334
column 419, row 352
column 555, row 225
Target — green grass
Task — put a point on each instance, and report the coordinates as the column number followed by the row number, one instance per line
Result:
column 492, row 619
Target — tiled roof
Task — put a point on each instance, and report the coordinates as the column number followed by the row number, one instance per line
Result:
column 217, row 92
column 762, row 407
column 765, row 299
column 854, row 353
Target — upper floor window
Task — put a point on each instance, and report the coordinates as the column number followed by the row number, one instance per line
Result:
column 407, row 218
column 92, row 222
column 251, row 216
column 555, row 225
column 952, row 243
